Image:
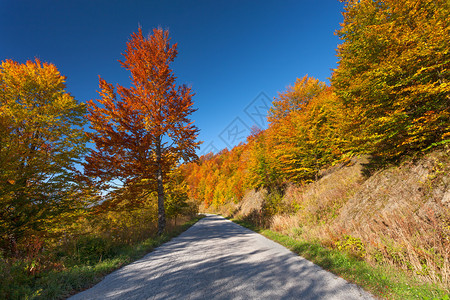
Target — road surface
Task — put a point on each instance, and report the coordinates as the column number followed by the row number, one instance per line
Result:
column 217, row 259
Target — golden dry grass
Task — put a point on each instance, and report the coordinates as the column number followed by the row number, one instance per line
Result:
column 399, row 216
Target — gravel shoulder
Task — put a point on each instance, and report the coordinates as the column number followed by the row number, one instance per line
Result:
column 218, row 259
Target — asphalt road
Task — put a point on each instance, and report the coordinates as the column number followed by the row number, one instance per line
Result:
column 217, row 259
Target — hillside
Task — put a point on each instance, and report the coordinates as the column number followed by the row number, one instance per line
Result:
column 399, row 215
column 360, row 164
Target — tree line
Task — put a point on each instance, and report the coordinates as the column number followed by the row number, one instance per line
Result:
column 389, row 97
column 52, row 185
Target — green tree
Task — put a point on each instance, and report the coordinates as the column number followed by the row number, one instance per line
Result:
column 41, row 141
column 262, row 166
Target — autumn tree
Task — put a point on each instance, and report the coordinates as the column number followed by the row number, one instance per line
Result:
column 177, row 199
column 217, row 178
column 393, row 74
column 308, row 140
column 41, row 141
column 295, row 97
column 263, row 167
column 141, row 132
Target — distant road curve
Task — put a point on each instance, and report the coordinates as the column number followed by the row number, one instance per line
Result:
column 217, row 259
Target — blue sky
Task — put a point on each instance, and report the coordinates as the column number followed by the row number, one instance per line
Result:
column 236, row 55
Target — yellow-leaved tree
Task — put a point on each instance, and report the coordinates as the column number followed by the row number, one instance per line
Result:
column 393, row 74
column 41, row 141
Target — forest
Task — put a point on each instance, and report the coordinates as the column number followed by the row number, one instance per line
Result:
column 360, row 165
column 67, row 207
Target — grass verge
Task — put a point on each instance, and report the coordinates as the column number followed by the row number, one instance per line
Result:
column 382, row 281
column 75, row 278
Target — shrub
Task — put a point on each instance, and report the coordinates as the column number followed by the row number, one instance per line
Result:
column 352, row 245
column 93, row 248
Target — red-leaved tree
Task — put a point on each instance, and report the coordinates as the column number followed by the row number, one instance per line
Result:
column 141, row 132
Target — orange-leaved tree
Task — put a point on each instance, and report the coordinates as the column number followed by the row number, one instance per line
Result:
column 141, row 132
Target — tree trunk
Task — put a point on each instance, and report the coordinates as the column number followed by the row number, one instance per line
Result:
column 159, row 179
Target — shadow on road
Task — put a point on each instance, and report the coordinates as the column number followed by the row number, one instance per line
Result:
column 217, row 259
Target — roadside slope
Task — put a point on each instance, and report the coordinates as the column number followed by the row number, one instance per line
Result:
column 397, row 217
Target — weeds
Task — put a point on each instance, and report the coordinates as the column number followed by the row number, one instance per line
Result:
column 382, row 281
column 352, row 245
column 398, row 219
column 74, row 267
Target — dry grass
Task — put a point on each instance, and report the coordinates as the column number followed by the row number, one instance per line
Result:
column 321, row 201
column 410, row 242
column 285, row 224
column 399, row 216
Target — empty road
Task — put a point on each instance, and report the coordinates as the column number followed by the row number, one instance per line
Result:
column 217, row 259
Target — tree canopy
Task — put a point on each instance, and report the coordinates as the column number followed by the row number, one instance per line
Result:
column 393, row 74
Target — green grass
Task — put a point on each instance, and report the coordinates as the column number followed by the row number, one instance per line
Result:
column 77, row 276
column 382, row 281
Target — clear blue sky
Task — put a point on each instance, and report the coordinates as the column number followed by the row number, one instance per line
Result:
column 236, row 55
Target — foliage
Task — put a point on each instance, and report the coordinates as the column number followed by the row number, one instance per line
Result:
column 177, row 201
column 74, row 269
column 219, row 178
column 393, row 74
column 352, row 245
column 262, row 165
column 142, row 131
column 307, row 140
column 295, row 97
column 41, row 142
column 294, row 148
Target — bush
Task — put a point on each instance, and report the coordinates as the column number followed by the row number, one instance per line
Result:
column 14, row 279
column 352, row 245
column 93, row 248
